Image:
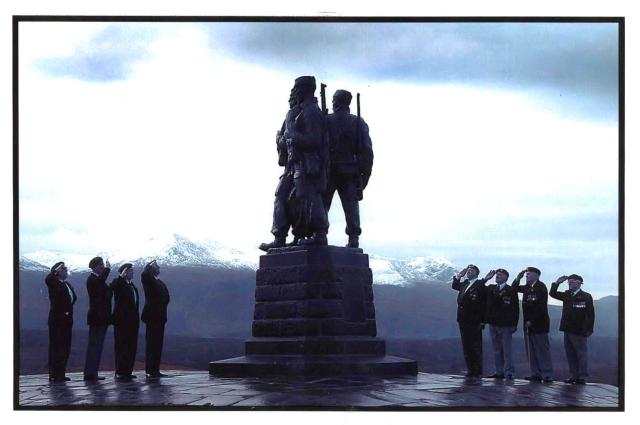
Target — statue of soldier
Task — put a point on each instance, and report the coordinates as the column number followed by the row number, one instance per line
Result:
column 351, row 158
column 307, row 157
column 286, row 208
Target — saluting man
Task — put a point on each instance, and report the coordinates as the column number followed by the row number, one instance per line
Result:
column 536, row 324
column 98, row 316
column 154, row 314
column 126, row 321
column 470, row 316
column 578, row 316
column 62, row 298
column 502, row 316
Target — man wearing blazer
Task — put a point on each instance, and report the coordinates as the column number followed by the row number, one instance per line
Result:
column 154, row 315
column 578, row 317
column 62, row 298
column 126, row 321
column 470, row 316
column 502, row 316
column 536, row 324
column 99, row 315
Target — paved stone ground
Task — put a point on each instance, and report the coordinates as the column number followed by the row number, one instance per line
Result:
column 198, row 389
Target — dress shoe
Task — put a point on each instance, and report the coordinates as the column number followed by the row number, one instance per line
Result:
column 156, row 375
column 278, row 242
column 569, row 381
column 125, row 377
column 510, row 377
column 534, row 378
column 580, row 382
column 547, row 379
column 59, row 379
column 93, row 378
column 496, row 376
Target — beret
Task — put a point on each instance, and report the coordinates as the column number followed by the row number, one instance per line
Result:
column 124, row 267
column 151, row 263
column 471, row 266
column 502, row 271
column 94, row 262
column 57, row 266
column 534, row 270
column 576, row 277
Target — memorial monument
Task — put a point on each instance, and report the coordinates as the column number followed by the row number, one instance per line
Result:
column 314, row 308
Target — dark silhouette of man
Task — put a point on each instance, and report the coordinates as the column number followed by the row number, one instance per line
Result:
column 98, row 316
column 126, row 321
column 62, row 297
column 154, row 315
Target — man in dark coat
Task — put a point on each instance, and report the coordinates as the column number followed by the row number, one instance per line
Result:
column 126, row 321
column 351, row 159
column 536, row 324
column 578, row 317
column 154, row 314
column 502, row 316
column 470, row 316
column 62, row 298
column 305, row 135
column 99, row 315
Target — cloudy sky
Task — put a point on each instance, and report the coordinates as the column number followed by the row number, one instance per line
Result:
column 494, row 143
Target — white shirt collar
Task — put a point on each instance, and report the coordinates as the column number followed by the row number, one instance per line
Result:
column 574, row 293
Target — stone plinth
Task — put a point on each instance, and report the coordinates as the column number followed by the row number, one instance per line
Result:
column 314, row 315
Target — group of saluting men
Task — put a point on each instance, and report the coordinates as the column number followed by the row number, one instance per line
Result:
column 124, row 316
column 498, row 306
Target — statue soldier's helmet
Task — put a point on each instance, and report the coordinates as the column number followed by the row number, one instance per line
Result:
column 342, row 97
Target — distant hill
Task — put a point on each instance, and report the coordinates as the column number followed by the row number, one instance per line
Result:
column 217, row 302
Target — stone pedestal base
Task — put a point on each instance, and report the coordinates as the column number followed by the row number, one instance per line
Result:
column 314, row 315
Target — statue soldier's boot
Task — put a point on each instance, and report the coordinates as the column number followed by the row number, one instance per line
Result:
column 353, row 241
column 278, row 242
column 318, row 239
column 295, row 241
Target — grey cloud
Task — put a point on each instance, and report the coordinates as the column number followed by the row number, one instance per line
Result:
column 106, row 57
column 578, row 60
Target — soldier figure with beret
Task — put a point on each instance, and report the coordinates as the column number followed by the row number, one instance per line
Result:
column 502, row 316
column 471, row 315
column 126, row 321
column 98, row 316
column 304, row 136
column 536, row 324
column 351, row 159
column 154, row 315
column 578, row 316
column 62, row 298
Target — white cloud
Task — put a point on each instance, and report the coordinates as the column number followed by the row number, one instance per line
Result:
column 187, row 144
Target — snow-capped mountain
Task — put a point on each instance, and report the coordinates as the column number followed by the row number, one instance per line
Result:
column 390, row 271
column 177, row 250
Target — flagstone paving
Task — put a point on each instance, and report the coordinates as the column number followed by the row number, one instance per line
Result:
column 200, row 390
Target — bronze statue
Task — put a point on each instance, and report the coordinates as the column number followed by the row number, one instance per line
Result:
column 351, row 159
column 299, row 202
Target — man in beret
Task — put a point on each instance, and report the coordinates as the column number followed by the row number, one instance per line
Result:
column 471, row 315
column 154, row 315
column 305, row 135
column 351, row 159
column 99, row 315
column 502, row 316
column 126, row 321
column 62, row 297
column 536, row 324
column 578, row 316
